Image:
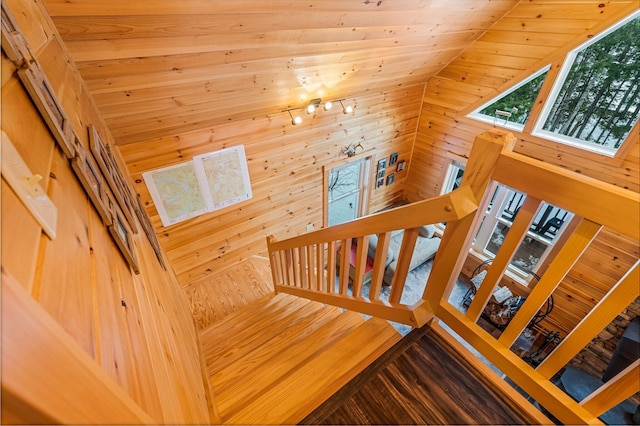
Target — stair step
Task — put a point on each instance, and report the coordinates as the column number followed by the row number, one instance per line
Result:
column 242, row 314
column 276, row 366
column 250, row 335
column 295, row 396
column 301, row 329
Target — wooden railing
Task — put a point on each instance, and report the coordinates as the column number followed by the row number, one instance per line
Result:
column 306, row 265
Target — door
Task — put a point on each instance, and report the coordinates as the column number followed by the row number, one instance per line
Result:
column 347, row 192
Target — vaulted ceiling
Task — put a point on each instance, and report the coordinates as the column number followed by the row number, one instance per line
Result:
column 168, row 67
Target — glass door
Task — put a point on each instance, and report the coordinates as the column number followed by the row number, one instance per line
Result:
column 346, row 192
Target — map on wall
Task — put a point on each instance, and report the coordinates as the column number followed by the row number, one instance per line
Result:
column 207, row 183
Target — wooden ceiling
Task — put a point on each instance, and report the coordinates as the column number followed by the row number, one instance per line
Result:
column 167, row 67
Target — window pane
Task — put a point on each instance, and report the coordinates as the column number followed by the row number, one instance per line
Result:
column 599, row 100
column 527, row 255
column 515, row 107
column 343, row 180
column 343, row 209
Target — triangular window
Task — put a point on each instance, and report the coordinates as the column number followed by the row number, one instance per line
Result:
column 511, row 109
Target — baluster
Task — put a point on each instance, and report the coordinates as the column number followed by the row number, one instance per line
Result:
column 345, row 259
column 320, row 272
column 378, row 265
column 499, row 265
column 331, row 267
column 402, row 266
column 361, row 264
column 311, row 267
column 304, row 275
column 615, row 301
column 567, row 257
column 616, row 390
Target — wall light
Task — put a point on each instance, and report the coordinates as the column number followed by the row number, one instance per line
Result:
column 313, row 106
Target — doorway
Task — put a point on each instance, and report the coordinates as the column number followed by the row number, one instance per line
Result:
column 347, row 193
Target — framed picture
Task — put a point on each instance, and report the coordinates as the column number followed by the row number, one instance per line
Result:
column 112, row 175
column 380, row 182
column 382, row 164
column 13, row 42
column 121, row 234
column 390, row 179
column 381, row 174
column 393, row 159
column 49, row 106
column 92, row 181
column 400, row 166
column 143, row 218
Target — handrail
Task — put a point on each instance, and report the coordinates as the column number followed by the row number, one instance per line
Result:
column 305, row 266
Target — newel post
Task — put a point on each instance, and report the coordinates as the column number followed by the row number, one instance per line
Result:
column 458, row 235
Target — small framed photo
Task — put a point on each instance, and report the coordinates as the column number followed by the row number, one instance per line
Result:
column 112, row 175
column 381, row 174
column 390, row 179
column 382, row 164
column 92, row 181
column 393, row 159
column 121, row 234
column 380, row 182
column 49, row 106
column 401, row 165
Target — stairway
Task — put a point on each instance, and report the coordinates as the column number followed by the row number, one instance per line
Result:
column 278, row 358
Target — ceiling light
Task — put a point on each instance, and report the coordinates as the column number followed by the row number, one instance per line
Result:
column 313, row 104
column 294, row 120
column 327, row 105
column 346, row 109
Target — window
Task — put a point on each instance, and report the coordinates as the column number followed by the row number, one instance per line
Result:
column 546, row 228
column 512, row 109
column 595, row 101
column 346, row 192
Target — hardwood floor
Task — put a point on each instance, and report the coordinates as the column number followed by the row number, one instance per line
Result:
column 420, row 381
column 224, row 292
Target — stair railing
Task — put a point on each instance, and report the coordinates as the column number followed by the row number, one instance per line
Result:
column 305, row 266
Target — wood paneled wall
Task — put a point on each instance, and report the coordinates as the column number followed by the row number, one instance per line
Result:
column 531, row 36
column 286, row 168
column 137, row 328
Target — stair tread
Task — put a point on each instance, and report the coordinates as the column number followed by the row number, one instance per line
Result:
column 304, row 327
column 241, row 320
column 291, row 399
column 253, row 335
column 231, row 399
column 243, row 313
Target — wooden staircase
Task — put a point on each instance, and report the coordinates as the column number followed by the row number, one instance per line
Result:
column 277, row 359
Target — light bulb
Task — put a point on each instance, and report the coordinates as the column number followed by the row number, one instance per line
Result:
column 348, row 109
column 310, row 109
column 296, row 120
column 327, row 105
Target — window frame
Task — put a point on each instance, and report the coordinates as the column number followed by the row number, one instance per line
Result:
column 558, row 82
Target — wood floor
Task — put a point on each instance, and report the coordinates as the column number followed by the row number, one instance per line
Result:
column 420, row 381
column 224, row 292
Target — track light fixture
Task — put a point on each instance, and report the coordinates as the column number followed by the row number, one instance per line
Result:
column 313, row 105
column 294, row 120
column 346, row 109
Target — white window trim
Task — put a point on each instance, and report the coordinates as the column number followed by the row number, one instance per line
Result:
column 495, row 121
column 557, row 86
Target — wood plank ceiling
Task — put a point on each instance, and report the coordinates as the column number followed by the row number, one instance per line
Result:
column 169, row 67
column 164, row 73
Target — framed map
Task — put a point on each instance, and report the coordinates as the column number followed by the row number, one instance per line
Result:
column 224, row 177
column 207, row 183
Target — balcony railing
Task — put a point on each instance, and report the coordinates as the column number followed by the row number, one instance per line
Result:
column 305, row 266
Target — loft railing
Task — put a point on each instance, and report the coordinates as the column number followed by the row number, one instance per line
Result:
column 306, row 265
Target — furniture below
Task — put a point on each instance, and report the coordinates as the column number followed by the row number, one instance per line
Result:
column 425, row 249
column 368, row 269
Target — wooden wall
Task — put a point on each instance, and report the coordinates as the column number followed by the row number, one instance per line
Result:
column 286, row 165
column 532, row 35
column 137, row 328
